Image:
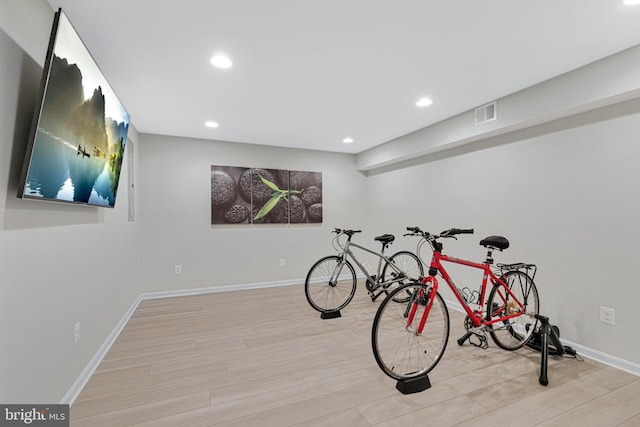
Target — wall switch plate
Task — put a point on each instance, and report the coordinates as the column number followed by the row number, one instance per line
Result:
column 608, row 315
column 283, row 262
column 177, row 269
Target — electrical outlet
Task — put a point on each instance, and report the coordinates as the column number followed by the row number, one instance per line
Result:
column 76, row 331
column 608, row 315
column 177, row 269
column 283, row 262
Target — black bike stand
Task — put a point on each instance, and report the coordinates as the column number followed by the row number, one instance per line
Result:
column 546, row 332
column 414, row 385
column 330, row 314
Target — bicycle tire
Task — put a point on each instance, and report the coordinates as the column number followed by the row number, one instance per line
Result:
column 513, row 333
column 409, row 264
column 326, row 294
column 399, row 351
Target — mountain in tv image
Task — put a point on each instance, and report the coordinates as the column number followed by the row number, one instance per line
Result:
column 78, row 151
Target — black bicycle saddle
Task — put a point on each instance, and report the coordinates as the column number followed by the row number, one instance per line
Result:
column 497, row 242
column 385, row 238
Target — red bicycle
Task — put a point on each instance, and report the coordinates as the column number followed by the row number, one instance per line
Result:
column 409, row 338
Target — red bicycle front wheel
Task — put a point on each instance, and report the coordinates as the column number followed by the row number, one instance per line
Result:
column 400, row 349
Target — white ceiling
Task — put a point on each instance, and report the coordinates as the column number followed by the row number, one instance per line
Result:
column 308, row 73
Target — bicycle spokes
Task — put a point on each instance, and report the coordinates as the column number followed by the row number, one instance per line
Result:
column 330, row 284
column 335, row 276
column 511, row 310
column 404, row 345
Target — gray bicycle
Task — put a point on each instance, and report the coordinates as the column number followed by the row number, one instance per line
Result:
column 331, row 282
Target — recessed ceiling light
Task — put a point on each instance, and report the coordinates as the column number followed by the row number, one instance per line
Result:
column 631, row 2
column 348, row 140
column 423, row 102
column 211, row 124
column 221, row 61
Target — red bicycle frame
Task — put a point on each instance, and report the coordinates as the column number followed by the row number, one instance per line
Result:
column 475, row 317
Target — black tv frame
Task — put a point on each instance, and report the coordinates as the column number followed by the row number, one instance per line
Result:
column 82, row 152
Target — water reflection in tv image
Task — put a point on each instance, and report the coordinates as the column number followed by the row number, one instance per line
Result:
column 82, row 129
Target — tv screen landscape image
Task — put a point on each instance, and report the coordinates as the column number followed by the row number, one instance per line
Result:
column 79, row 129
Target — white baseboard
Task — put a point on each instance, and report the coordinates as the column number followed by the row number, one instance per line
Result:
column 607, row 359
column 73, row 393
column 218, row 289
column 91, row 367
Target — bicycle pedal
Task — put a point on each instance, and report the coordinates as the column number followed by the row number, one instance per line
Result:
column 483, row 343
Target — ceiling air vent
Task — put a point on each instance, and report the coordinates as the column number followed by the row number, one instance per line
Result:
column 486, row 113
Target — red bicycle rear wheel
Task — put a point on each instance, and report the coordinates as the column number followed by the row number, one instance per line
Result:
column 513, row 333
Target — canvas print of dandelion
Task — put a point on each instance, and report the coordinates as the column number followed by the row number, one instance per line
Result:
column 241, row 195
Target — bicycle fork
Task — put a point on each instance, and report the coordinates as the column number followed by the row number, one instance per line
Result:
column 335, row 276
column 423, row 297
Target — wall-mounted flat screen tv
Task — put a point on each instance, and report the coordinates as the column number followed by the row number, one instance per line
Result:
column 79, row 128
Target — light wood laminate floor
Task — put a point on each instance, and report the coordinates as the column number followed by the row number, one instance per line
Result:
column 265, row 358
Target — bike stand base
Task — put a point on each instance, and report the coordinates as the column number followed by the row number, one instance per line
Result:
column 413, row 385
column 547, row 333
column 330, row 314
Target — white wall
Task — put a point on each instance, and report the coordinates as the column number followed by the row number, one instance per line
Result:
column 175, row 215
column 567, row 200
column 59, row 264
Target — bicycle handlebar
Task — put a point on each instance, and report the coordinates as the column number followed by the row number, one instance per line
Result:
column 347, row 232
column 415, row 231
column 454, row 231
